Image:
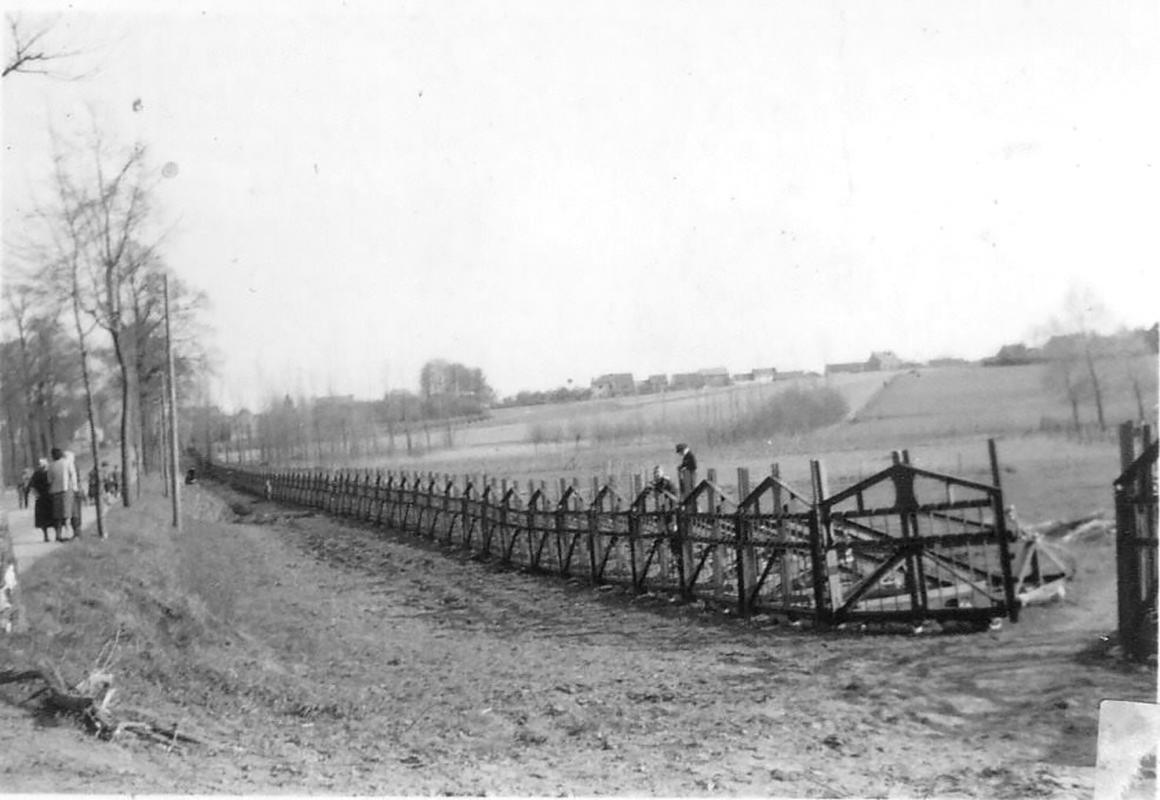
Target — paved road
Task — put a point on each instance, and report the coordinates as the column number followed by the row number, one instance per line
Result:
column 28, row 542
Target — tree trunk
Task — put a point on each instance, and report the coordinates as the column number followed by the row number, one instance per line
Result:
column 90, row 410
column 1074, row 398
column 90, row 407
column 13, row 456
column 1095, row 388
column 31, row 434
column 143, row 427
column 128, row 435
column 1143, row 417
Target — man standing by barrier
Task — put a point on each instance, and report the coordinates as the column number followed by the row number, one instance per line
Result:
column 687, row 470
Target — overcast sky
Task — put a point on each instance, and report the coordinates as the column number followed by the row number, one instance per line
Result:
column 550, row 191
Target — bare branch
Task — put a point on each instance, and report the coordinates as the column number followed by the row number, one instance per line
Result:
column 28, row 55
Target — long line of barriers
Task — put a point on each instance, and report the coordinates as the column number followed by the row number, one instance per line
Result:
column 905, row 544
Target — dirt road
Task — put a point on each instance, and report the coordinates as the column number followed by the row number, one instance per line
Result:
column 327, row 658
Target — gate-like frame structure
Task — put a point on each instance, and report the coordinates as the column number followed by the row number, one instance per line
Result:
column 908, row 543
column 905, row 544
column 1136, row 544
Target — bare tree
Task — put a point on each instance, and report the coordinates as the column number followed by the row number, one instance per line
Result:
column 70, row 241
column 45, row 364
column 107, row 209
column 1083, row 311
column 27, row 52
column 146, row 326
column 1065, row 375
column 18, row 298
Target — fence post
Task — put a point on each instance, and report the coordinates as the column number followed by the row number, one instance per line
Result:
column 504, row 531
column 746, row 568
column 634, row 510
column 1006, row 556
column 561, row 526
column 534, row 500
column 906, row 501
column 448, row 493
column 594, row 507
column 485, row 521
column 1127, row 558
column 715, row 499
column 819, row 524
column 1146, row 554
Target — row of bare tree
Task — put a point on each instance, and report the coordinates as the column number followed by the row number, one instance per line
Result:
column 326, row 430
column 1089, row 368
column 84, row 293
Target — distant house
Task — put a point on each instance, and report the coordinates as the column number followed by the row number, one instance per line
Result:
column 619, row 384
column 765, row 375
column 948, row 362
column 850, row 366
column 1010, row 355
column 743, row 377
column 792, row 374
column 657, row 383
column 244, row 425
column 687, row 380
column 716, row 376
column 883, row 360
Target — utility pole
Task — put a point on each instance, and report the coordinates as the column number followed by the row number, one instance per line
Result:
column 175, row 491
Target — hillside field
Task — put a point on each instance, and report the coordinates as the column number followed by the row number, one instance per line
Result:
column 942, row 416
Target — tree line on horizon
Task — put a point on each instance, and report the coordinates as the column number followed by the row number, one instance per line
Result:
column 1085, row 367
column 450, row 395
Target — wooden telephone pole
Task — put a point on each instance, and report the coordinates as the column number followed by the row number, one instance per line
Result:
column 174, row 486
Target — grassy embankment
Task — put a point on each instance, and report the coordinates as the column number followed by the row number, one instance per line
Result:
column 207, row 631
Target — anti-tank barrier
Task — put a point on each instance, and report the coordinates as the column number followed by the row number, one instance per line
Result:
column 903, row 545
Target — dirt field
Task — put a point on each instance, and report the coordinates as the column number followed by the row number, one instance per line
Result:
column 318, row 658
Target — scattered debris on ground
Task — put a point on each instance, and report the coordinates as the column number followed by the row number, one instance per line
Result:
column 90, row 701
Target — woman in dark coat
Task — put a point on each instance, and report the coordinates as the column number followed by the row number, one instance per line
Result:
column 42, row 508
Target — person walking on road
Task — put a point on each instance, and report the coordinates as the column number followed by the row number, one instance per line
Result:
column 78, row 501
column 62, row 482
column 24, row 487
column 42, row 504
